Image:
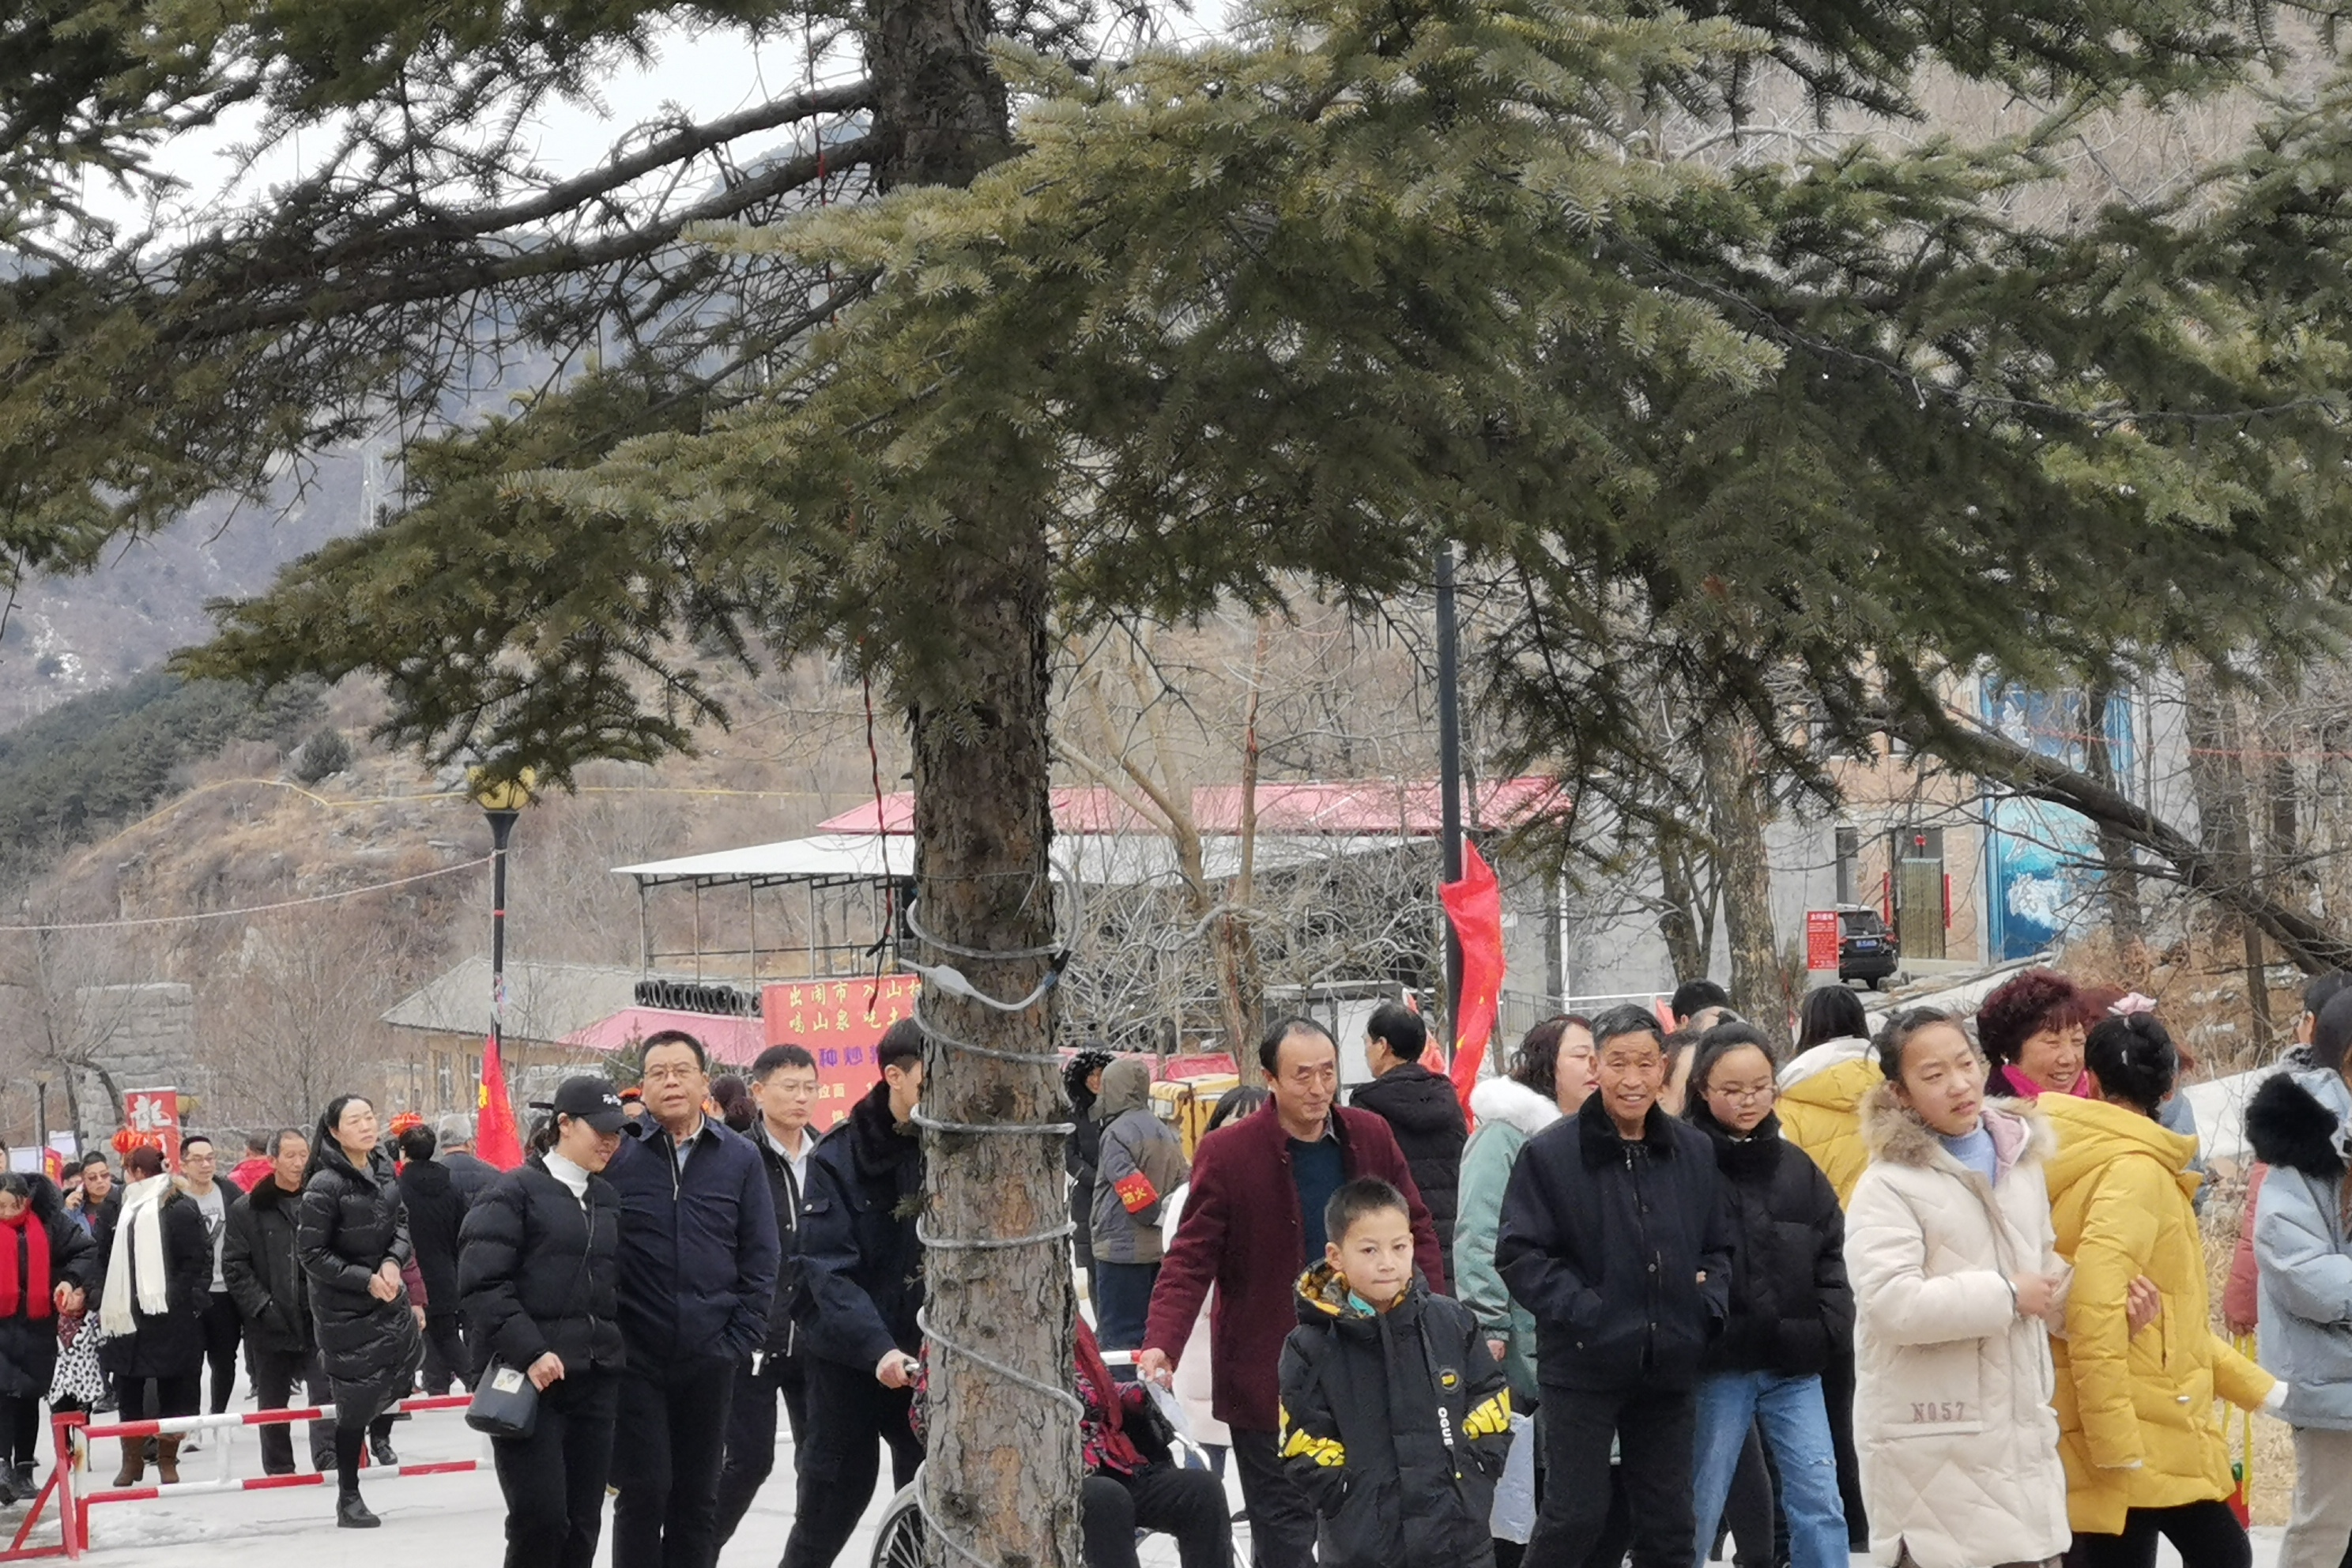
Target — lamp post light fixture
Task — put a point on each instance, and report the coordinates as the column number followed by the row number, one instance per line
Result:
column 501, row 796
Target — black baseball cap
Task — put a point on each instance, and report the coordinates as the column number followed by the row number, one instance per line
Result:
column 590, row 1100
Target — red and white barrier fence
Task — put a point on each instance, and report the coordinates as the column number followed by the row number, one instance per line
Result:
column 72, row 1429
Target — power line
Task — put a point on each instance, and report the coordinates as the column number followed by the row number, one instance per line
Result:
column 252, row 909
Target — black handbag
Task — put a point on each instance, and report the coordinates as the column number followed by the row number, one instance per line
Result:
column 505, row 1402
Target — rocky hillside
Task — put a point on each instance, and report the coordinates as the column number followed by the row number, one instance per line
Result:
column 68, row 637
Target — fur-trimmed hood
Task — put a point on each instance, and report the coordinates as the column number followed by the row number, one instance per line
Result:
column 2020, row 1133
column 1514, row 1104
column 2289, row 1124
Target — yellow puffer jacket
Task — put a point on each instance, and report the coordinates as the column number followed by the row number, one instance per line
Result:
column 1821, row 1109
column 2138, row 1426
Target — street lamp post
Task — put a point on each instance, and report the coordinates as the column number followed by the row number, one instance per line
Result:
column 502, row 800
column 1449, row 777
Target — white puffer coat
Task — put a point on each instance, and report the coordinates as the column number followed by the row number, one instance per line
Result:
column 1952, row 1419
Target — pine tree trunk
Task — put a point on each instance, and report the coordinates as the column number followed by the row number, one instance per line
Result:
column 2217, row 777
column 1003, row 1473
column 1686, row 949
column 1759, row 989
column 2114, row 853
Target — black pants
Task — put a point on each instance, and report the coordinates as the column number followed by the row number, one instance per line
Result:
column 223, row 1329
column 20, row 1430
column 275, row 1374
column 1281, row 1519
column 1125, row 1304
column 1837, row 1393
column 849, row 1412
column 445, row 1354
column 1652, row 1427
column 2206, row 1534
column 666, row 1459
column 153, row 1398
column 554, row 1478
column 1616, row 1532
column 1187, row 1504
column 751, row 1434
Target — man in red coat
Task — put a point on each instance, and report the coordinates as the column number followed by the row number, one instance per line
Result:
column 1253, row 1222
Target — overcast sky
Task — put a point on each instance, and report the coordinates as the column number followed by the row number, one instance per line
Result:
column 706, row 75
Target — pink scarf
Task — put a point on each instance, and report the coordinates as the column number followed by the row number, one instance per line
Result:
column 2026, row 1089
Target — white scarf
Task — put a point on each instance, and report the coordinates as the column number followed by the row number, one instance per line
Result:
column 138, row 1252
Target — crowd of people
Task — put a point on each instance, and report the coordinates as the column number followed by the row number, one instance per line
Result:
column 1936, row 1292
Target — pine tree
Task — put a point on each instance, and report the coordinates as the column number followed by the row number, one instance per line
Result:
column 1284, row 310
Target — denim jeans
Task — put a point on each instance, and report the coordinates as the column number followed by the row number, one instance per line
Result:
column 1797, row 1425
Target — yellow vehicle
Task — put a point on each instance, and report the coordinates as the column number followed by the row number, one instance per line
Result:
column 1186, row 1103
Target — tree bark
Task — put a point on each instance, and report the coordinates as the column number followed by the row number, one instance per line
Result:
column 1685, row 946
column 1003, row 1475
column 1744, row 868
column 2115, row 852
column 2217, row 778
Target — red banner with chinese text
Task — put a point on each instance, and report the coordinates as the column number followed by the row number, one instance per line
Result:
column 153, row 1115
column 839, row 1022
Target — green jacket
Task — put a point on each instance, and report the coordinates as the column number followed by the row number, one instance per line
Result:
column 1509, row 1113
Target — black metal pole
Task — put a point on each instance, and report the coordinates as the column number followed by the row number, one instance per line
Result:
column 1449, row 773
column 501, row 824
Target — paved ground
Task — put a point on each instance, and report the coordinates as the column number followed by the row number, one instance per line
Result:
column 448, row 1521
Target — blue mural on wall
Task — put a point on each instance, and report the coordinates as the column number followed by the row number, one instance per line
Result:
column 2041, row 860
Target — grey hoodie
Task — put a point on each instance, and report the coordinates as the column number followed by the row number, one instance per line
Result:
column 1142, row 1162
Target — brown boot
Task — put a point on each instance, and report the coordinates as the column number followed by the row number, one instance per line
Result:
column 167, row 1460
column 134, row 1462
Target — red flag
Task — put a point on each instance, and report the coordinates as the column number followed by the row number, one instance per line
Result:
column 1474, row 905
column 495, row 1137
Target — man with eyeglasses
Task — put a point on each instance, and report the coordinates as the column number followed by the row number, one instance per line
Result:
column 199, row 1167
column 698, row 1279
column 784, row 1088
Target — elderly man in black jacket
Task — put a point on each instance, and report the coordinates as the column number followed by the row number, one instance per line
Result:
column 1422, row 1108
column 1617, row 1235
column 861, row 1275
column 698, row 1280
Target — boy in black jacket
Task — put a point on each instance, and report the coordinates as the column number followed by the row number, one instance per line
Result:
column 1396, row 1417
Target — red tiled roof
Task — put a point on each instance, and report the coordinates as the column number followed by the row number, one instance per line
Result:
column 734, row 1041
column 1407, row 807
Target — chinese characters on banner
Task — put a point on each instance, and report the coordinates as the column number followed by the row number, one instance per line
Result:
column 840, row 1022
column 155, row 1115
column 1821, row 940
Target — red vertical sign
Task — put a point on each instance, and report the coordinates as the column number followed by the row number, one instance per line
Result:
column 153, row 1117
column 1821, row 940
column 839, row 1022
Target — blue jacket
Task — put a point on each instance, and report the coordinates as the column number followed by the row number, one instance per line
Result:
column 861, row 1267
column 2303, row 1244
column 698, row 1247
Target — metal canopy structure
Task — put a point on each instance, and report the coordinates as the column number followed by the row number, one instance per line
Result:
column 828, row 858
column 845, row 888
column 847, row 884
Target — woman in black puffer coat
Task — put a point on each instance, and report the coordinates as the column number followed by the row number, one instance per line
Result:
column 539, row 1266
column 351, row 1235
column 159, row 1278
column 1791, row 1308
